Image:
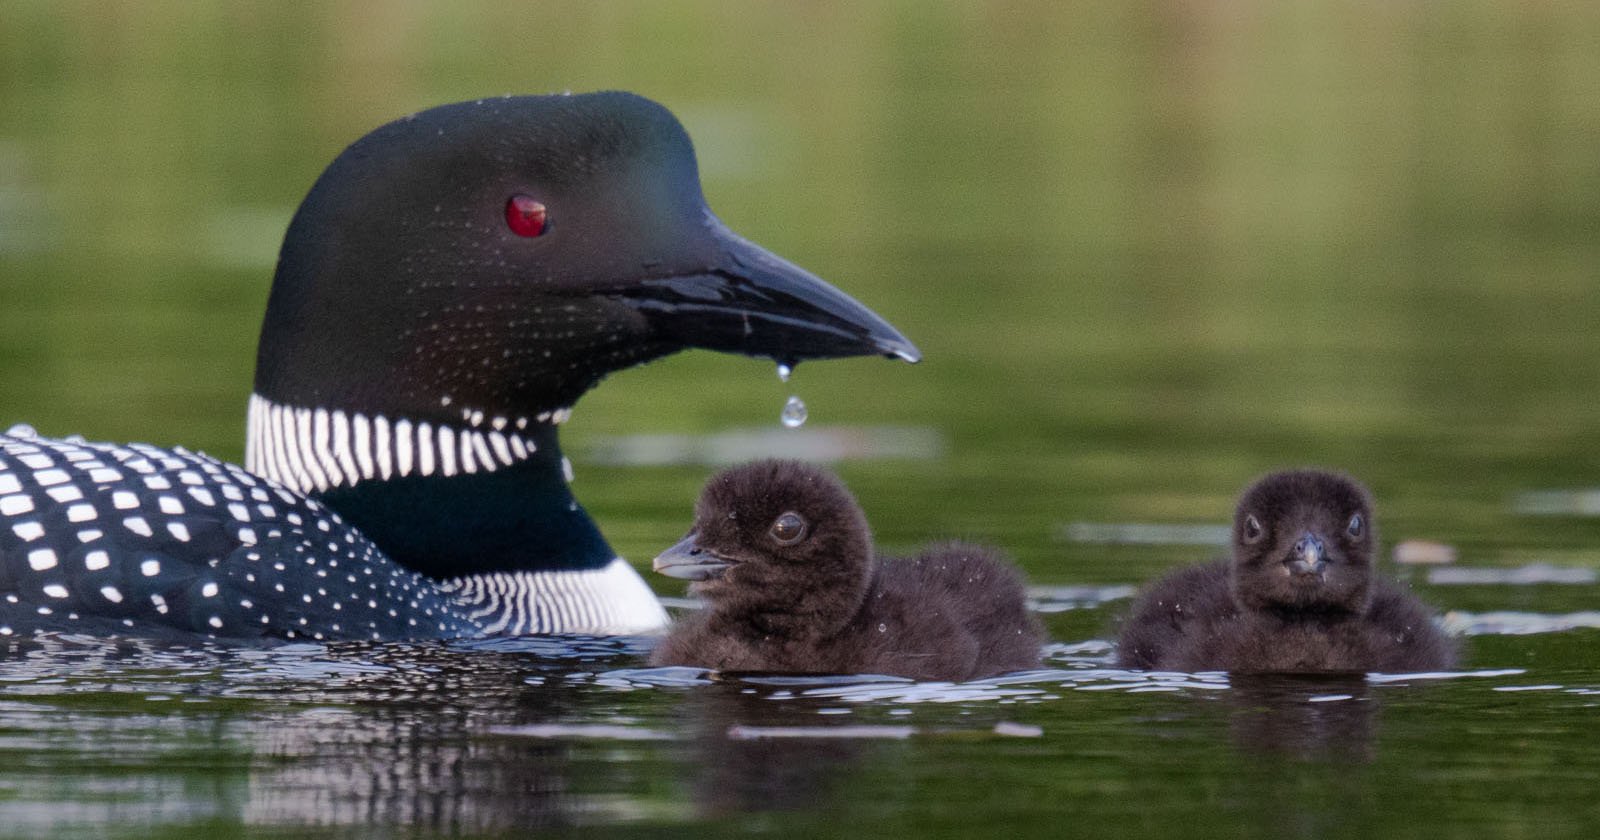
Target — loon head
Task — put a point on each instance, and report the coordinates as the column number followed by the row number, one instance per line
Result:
column 1303, row 543
column 457, row 279
column 776, row 543
column 504, row 255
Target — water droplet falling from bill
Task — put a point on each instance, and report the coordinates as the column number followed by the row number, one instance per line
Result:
column 794, row 413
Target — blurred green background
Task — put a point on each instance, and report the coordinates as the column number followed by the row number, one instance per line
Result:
column 1149, row 249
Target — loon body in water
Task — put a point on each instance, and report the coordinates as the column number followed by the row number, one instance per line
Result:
column 782, row 554
column 451, row 285
column 1299, row 595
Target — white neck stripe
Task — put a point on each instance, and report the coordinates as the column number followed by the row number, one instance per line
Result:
column 315, row 449
column 608, row 600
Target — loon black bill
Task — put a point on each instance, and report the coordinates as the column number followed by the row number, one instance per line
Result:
column 759, row 304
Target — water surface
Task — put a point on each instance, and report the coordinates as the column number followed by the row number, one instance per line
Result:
column 576, row 732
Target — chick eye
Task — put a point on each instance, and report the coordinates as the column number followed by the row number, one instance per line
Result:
column 788, row 528
column 1252, row 528
column 525, row 215
column 1357, row 526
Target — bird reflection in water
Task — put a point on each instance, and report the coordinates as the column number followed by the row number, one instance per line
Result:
column 1303, row 716
column 425, row 737
column 739, row 770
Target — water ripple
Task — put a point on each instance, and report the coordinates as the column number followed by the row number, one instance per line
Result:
column 1024, row 686
column 1516, row 623
column 1529, row 575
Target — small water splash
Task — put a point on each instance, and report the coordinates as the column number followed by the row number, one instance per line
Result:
column 793, row 415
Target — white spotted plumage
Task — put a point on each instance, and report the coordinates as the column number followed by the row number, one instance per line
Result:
column 139, row 537
column 174, row 547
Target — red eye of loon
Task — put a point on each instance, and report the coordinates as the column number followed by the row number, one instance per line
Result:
column 525, row 216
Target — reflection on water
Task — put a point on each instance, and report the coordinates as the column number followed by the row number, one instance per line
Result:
column 396, row 767
column 737, row 773
column 303, row 735
column 524, row 734
column 561, row 732
column 1307, row 717
column 1519, row 576
column 1584, row 502
column 1518, row 623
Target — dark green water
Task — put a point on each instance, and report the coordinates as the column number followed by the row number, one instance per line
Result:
column 1149, row 250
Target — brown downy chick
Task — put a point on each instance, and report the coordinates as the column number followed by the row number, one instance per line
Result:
column 782, row 555
column 1298, row 595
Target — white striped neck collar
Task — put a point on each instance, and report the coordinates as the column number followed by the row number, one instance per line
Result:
column 515, row 570
column 611, row 599
column 315, row 449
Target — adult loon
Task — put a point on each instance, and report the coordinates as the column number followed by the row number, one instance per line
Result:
column 451, row 285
